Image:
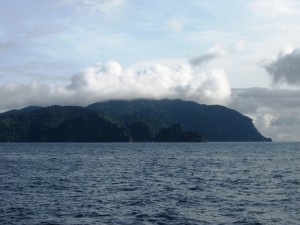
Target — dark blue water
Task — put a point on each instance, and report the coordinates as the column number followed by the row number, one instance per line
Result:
column 131, row 183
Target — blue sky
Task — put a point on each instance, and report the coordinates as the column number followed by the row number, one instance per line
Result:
column 241, row 54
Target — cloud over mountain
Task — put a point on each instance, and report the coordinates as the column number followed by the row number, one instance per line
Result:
column 111, row 81
column 274, row 111
column 106, row 81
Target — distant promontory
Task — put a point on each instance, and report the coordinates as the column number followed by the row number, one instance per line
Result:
column 123, row 121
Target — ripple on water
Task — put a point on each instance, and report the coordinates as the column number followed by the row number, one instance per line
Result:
column 72, row 184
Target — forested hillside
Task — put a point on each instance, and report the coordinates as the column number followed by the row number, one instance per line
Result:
column 121, row 121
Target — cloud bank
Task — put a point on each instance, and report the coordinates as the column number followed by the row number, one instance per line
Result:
column 109, row 80
column 275, row 112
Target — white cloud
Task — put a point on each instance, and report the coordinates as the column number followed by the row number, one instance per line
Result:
column 111, row 81
column 278, row 126
column 105, row 81
column 287, row 49
column 264, row 120
column 274, row 8
column 16, row 95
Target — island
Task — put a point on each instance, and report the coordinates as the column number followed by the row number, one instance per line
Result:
column 140, row 120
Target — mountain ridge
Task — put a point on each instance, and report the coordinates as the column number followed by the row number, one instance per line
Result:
column 128, row 119
column 218, row 122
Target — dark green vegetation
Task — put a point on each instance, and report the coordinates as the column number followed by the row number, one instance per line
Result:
column 217, row 122
column 60, row 124
column 137, row 120
column 176, row 134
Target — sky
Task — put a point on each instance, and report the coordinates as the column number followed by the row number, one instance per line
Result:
column 241, row 54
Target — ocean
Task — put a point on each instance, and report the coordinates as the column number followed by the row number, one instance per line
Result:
column 149, row 183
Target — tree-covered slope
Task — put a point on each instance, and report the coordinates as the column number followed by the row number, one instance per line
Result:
column 137, row 120
column 90, row 127
column 60, row 124
column 33, row 125
column 217, row 122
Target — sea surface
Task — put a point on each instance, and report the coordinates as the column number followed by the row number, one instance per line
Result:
column 150, row 183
